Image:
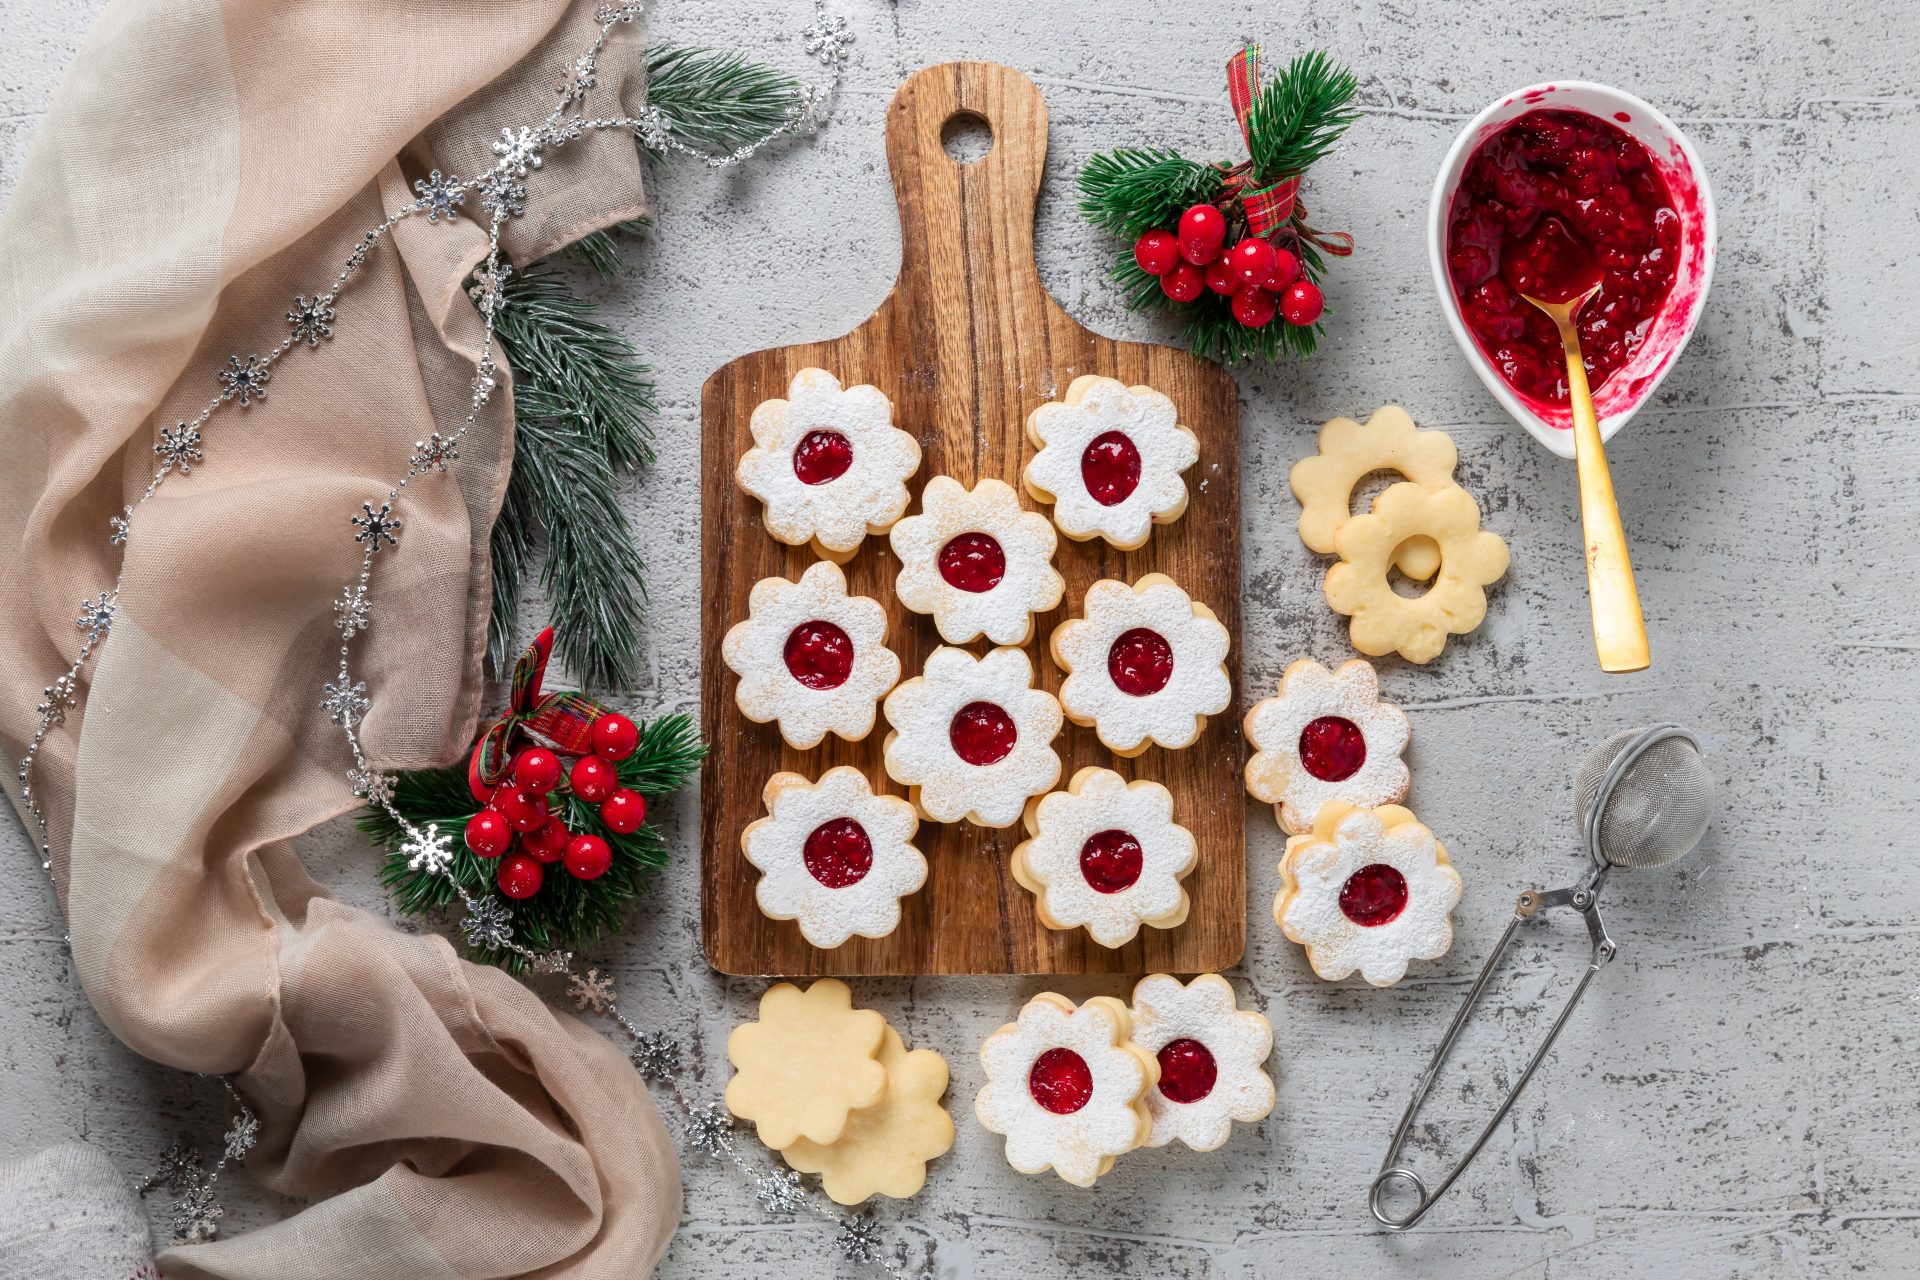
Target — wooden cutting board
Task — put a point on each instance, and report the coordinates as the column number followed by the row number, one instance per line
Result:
column 966, row 345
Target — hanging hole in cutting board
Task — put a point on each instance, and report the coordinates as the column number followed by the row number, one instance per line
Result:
column 967, row 137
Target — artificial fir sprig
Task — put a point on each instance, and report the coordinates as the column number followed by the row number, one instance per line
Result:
column 1130, row 190
column 1298, row 117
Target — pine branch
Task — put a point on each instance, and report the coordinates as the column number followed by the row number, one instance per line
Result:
column 1299, row 115
column 718, row 101
column 1131, row 191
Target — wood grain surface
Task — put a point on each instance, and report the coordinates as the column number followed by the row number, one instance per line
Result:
column 966, row 346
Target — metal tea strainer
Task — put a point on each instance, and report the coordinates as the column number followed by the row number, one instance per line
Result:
column 1642, row 800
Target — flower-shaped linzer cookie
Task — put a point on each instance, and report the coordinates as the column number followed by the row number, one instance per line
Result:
column 1367, row 889
column 806, row 1064
column 1327, row 736
column 1106, row 854
column 811, row 657
column 1210, row 1054
column 1067, row 1087
column 828, row 464
column 977, row 562
column 1146, row 664
column 1417, row 627
column 972, row 737
column 834, row 856
column 1349, row 452
column 1110, row 461
column 885, row 1150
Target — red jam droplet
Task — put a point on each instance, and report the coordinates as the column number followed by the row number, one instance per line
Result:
column 982, row 733
column 1332, row 748
column 1373, row 895
column 973, row 562
column 822, row 456
column 1110, row 860
column 1060, row 1081
column 1110, row 468
column 1140, row 662
column 838, row 853
column 1187, row 1070
column 819, row 654
column 1606, row 188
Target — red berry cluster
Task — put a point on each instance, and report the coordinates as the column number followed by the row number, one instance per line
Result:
column 523, row 806
column 1259, row 277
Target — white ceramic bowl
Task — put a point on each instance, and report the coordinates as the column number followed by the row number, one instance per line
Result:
column 1686, row 177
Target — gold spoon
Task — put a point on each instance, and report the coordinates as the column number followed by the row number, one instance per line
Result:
column 1619, row 630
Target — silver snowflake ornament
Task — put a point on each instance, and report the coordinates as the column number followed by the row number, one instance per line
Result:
column 196, row 1215
column 483, row 382
column 656, row 1056
column 440, row 197
column 552, row 962
column 118, row 527
column 345, row 703
column 858, row 1238
column 96, row 616
column 179, row 448
column 501, row 196
column 245, row 380
column 311, row 321
column 489, row 287
column 428, row 850
column 371, row 785
column 487, row 926
column 779, row 1191
column 58, row 698
column 179, row 1167
column 519, row 150
column 377, row 528
column 827, row 38
column 352, row 612
column 433, row 453
column 710, row 1129
column 242, row 1135
column 591, row 991
column 608, row 14
column 580, row 76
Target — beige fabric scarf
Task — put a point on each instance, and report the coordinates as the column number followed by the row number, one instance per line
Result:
column 204, row 161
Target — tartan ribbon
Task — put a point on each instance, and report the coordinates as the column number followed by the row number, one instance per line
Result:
column 1278, row 203
column 563, row 721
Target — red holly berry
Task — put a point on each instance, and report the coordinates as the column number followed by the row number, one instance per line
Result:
column 1220, row 278
column 1156, row 252
column 588, row 857
column 488, row 834
column 524, row 810
column 1286, row 269
column 1203, row 229
column 1253, row 307
column 614, row 736
column 547, row 842
column 1183, row 283
column 537, row 769
column 1252, row 260
column 593, row 779
column 624, row 811
column 1302, row 303
column 519, row 876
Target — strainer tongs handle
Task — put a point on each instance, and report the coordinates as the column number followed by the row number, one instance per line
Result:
column 1586, row 900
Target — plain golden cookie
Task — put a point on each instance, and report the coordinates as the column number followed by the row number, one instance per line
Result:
column 1349, row 452
column 885, row 1148
column 806, row 1064
column 1415, row 627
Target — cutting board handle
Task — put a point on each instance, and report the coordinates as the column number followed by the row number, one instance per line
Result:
column 966, row 230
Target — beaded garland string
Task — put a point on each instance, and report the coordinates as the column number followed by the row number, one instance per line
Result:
column 501, row 192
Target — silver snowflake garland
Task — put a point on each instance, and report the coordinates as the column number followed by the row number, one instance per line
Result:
column 519, row 150
column 345, row 703
column 502, row 197
column 377, row 528
column 552, row 962
column 245, row 380
column 710, row 1129
column 591, row 991
column 579, row 77
column 242, row 1135
column 433, row 453
column 179, row 1166
column 779, row 1191
column 351, row 612
column 858, row 1238
column 440, row 197
column 827, row 38
column 179, row 448
column 96, row 616
column 196, row 1215
column 489, row 287
column 483, row 382
column 118, row 527
column 487, row 925
column 58, row 698
column 373, row 786
column 656, row 1056
column 311, row 321
column 428, row 850
column 608, row 14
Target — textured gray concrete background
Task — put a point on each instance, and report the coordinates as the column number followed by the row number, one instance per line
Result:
column 1738, row 1097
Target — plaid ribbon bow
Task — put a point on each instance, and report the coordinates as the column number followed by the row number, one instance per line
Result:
column 563, row 721
column 1275, row 205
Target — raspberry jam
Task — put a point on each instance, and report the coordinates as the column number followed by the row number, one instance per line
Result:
column 1373, row 895
column 1604, row 189
column 973, row 562
column 1110, row 860
column 1110, row 468
column 1332, row 748
column 819, row 654
column 1187, row 1070
column 822, row 456
column 1140, row 662
column 1060, row 1081
column 982, row 733
column 838, row 853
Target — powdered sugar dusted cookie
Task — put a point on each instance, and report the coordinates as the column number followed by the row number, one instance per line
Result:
column 806, row 1064
column 1146, row 664
column 1327, row 736
column 1106, row 854
column 1210, row 1054
column 811, row 657
column 972, row 737
column 1067, row 1087
column 1110, row 461
column 885, row 1150
column 834, row 856
column 977, row 562
column 828, row 464
column 1367, row 889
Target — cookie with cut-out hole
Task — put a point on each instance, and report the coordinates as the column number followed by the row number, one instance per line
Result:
column 1106, row 855
column 1417, row 628
column 1348, row 453
column 1110, row 460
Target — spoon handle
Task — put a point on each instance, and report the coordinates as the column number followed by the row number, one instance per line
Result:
column 1619, row 630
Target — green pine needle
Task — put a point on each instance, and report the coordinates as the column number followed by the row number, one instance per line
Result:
column 1131, row 191
column 1299, row 115
column 718, row 101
